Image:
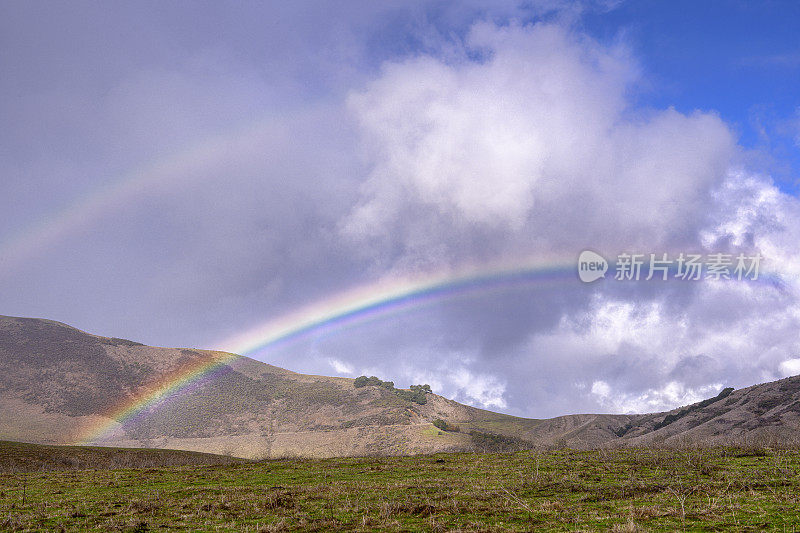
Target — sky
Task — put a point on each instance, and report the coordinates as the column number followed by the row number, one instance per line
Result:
column 193, row 173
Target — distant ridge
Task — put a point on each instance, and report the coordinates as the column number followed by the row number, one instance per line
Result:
column 57, row 383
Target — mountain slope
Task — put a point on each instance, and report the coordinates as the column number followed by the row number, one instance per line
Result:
column 58, row 383
column 761, row 414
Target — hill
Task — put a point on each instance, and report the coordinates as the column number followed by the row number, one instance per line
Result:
column 765, row 414
column 57, row 383
column 18, row 457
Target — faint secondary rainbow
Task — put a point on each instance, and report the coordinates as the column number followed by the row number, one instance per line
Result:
column 180, row 167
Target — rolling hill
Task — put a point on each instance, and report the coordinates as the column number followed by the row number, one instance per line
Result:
column 18, row 457
column 58, row 384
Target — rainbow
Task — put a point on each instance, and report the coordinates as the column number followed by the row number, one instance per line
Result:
column 363, row 304
column 357, row 306
column 181, row 380
column 381, row 299
column 392, row 296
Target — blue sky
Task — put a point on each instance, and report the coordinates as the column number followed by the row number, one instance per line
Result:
column 740, row 59
column 178, row 173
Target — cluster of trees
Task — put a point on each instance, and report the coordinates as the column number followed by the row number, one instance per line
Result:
column 416, row 393
column 372, row 381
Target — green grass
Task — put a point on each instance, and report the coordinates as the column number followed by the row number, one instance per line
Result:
column 623, row 490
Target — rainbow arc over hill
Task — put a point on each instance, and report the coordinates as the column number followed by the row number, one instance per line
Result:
column 363, row 304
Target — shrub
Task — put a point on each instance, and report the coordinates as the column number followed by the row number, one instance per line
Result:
column 364, row 381
column 416, row 394
column 412, row 396
column 444, row 426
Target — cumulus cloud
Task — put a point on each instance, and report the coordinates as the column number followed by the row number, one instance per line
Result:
column 643, row 350
column 499, row 145
column 454, row 379
column 790, row 367
column 651, row 400
column 531, row 143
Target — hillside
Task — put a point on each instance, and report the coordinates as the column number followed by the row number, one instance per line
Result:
column 762, row 414
column 57, row 383
column 18, row 457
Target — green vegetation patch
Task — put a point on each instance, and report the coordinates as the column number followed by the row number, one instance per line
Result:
column 416, row 393
column 444, row 426
column 566, row 490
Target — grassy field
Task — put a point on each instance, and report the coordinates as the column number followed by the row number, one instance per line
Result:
column 620, row 490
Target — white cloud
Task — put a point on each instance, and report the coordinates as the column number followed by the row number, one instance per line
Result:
column 478, row 389
column 538, row 131
column 340, row 367
column 790, row 367
column 454, row 376
column 749, row 210
column 537, row 148
column 601, row 389
column 664, row 398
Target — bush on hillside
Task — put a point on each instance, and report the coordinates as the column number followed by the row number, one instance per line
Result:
column 364, row 381
column 444, row 426
column 412, row 396
column 415, row 394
